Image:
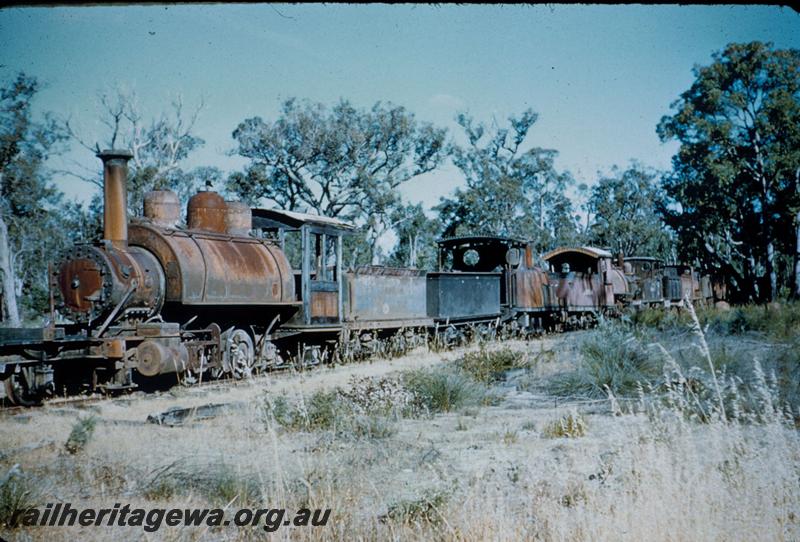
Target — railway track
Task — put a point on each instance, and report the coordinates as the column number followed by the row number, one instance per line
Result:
column 381, row 349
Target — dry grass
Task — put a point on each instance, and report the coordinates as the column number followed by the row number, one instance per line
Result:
column 571, row 425
column 632, row 470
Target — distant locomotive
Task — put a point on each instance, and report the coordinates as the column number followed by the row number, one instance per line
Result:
column 220, row 296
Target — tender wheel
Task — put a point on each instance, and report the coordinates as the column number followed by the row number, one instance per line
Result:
column 239, row 354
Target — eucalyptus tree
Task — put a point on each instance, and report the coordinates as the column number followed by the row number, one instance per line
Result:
column 509, row 190
column 735, row 182
column 338, row 161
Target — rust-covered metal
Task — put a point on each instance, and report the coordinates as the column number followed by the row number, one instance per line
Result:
column 161, row 356
column 680, row 283
column 93, row 281
column 163, row 208
column 618, row 281
column 238, row 218
column 325, row 304
column 111, row 280
column 530, row 289
column 115, row 196
column 585, row 278
column 206, row 212
column 645, row 279
column 204, row 268
column 385, row 294
column 581, row 292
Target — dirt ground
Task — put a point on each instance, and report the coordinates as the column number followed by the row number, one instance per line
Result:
column 479, row 473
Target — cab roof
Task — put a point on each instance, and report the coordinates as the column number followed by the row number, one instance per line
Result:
column 592, row 252
column 266, row 218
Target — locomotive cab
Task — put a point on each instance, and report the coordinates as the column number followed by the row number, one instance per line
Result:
column 644, row 275
column 586, row 278
column 314, row 246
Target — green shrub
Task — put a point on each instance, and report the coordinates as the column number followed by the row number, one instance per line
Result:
column 218, row 483
column 327, row 411
column 80, row 435
column 490, row 365
column 746, row 375
column 378, row 427
column 612, row 358
column 658, row 318
column 222, row 484
column 18, row 492
column 444, row 389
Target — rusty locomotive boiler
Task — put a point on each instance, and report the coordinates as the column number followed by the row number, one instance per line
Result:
column 152, row 297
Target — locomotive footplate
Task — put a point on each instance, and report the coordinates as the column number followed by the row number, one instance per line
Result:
column 29, row 336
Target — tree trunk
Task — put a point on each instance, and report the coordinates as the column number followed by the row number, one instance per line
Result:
column 797, row 256
column 771, row 273
column 8, row 277
column 541, row 211
column 412, row 250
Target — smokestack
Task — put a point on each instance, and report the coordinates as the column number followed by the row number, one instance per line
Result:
column 115, row 196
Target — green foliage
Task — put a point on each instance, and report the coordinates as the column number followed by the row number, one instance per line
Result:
column 612, row 359
column 162, row 488
column 329, row 411
column 490, row 365
column 657, row 318
column 30, row 229
column 625, row 208
column 223, row 484
column 18, row 492
column 339, row 162
column 322, row 410
column 510, row 191
column 734, row 178
column 443, row 389
column 219, row 483
column 755, row 351
column 774, row 321
column 416, row 238
column 80, row 435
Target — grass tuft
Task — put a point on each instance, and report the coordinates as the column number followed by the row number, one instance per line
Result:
column 444, row 389
column 80, row 435
column 571, row 425
column 612, row 358
column 490, row 365
column 18, row 492
column 426, row 509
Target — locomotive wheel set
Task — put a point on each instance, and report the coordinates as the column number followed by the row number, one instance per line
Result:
column 153, row 300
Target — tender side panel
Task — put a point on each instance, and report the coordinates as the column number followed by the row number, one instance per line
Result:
column 381, row 297
column 461, row 295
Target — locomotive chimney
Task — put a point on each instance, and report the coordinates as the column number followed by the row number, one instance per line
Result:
column 115, row 196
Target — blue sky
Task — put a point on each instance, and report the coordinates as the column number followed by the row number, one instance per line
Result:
column 600, row 77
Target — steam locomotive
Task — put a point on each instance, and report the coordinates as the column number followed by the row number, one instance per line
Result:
column 239, row 290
